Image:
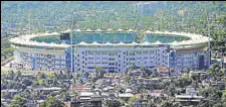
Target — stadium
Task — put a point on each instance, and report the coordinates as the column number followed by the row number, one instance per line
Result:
column 113, row 50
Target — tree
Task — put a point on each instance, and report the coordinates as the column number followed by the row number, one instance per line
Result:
column 11, row 75
column 132, row 100
column 2, row 105
column 171, row 104
column 52, row 102
column 27, row 82
column 214, row 95
column 40, row 75
column 216, row 72
column 195, row 76
column 18, row 101
column 18, row 75
column 167, row 104
column 177, row 104
column 99, row 72
column 86, row 74
column 65, row 96
column 171, row 89
column 112, row 103
column 78, row 76
column 69, row 75
column 151, row 103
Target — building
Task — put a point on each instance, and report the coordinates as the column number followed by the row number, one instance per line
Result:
column 190, row 97
column 163, row 71
column 115, row 51
column 125, row 96
column 79, row 103
column 157, row 93
column 10, row 92
column 81, row 88
column 86, row 99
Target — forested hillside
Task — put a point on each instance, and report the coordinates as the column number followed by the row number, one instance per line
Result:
column 179, row 16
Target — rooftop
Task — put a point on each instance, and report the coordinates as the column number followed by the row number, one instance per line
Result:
column 111, row 37
column 189, row 96
column 126, row 95
column 162, row 68
column 86, row 94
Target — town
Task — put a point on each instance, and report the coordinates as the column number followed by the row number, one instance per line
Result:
column 136, row 88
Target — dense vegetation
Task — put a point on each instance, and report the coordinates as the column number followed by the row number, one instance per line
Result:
column 176, row 16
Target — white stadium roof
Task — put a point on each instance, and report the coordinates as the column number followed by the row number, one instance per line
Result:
column 195, row 39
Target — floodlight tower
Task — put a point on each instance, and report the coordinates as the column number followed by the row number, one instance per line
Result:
column 29, row 19
column 139, row 10
column 209, row 49
column 71, row 35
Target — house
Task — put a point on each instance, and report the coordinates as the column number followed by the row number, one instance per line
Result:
column 88, row 103
column 135, row 73
column 6, row 101
column 85, row 95
column 163, row 70
column 10, row 92
column 28, row 76
column 108, row 89
column 81, row 88
column 157, row 93
column 140, row 103
column 128, row 90
column 47, row 90
column 190, row 91
column 190, row 97
column 218, row 83
column 125, row 96
column 73, row 103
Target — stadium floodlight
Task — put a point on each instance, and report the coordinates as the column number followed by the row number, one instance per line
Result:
column 208, row 30
column 72, row 27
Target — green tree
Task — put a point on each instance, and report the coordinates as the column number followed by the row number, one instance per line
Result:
column 112, row 103
column 216, row 72
column 167, row 104
column 171, row 90
column 2, row 105
column 99, row 72
column 132, row 100
column 18, row 75
column 11, row 75
column 52, row 102
column 18, row 101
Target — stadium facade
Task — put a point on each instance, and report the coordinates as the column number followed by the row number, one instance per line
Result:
column 114, row 51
